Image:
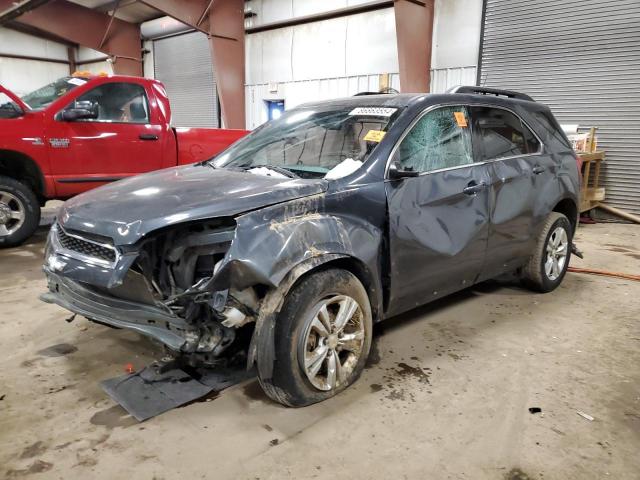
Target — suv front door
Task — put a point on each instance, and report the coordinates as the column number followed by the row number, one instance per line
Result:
column 438, row 220
column 124, row 140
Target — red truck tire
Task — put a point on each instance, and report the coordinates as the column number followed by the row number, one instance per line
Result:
column 19, row 212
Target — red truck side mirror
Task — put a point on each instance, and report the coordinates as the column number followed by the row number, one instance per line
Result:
column 84, row 110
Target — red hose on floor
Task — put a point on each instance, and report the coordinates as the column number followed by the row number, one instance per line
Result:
column 606, row 273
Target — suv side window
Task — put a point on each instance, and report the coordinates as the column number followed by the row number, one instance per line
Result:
column 440, row 139
column 119, row 103
column 501, row 134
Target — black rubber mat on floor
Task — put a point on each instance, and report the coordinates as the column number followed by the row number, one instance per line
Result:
column 150, row 392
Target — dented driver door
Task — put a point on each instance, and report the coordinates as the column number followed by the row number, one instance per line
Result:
column 438, row 220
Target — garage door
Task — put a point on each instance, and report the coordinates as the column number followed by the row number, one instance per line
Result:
column 582, row 58
column 183, row 64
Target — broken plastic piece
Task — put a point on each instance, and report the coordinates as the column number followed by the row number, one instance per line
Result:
column 533, row 410
column 344, row 168
column 576, row 251
column 584, row 415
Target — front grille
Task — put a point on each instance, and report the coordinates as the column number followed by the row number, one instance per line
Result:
column 85, row 247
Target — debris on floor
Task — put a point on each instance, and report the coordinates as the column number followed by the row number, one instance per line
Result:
column 159, row 388
column 584, row 415
column 533, row 410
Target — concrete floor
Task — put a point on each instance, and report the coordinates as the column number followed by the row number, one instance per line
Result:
column 489, row 353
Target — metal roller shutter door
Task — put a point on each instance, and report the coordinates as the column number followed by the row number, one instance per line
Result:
column 582, row 58
column 183, row 64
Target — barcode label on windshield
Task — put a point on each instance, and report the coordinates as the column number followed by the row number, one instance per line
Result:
column 373, row 111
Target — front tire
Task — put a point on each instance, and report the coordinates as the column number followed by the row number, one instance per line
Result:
column 19, row 212
column 548, row 264
column 322, row 339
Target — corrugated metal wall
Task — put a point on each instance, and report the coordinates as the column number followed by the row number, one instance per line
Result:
column 582, row 58
column 297, row 92
column 183, row 64
column 444, row 78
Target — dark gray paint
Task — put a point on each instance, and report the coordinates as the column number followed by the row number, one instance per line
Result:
column 405, row 239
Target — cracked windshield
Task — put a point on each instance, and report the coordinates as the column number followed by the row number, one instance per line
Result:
column 309, row 143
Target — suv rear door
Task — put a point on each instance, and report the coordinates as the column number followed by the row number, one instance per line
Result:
column 512, row 151
column 438, row 220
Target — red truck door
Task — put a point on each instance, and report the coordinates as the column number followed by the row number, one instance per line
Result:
column 125, row 139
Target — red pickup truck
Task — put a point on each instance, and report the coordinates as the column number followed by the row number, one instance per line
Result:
column 81, row 132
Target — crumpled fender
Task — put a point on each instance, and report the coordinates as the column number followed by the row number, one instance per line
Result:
column 276, row 245
column 270, row 242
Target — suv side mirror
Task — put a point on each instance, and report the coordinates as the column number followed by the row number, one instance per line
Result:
column 83, row 110
column 396, row 173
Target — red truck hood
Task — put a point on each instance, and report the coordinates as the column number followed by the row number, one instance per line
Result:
column 15, row 98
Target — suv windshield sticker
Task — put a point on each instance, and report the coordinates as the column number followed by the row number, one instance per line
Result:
column 373, row 111
column 460, row 119
column 374, row 136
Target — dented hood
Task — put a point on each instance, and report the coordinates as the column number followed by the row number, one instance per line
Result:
column 129, row 209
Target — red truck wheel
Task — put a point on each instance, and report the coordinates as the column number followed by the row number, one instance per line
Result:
column 19, row 212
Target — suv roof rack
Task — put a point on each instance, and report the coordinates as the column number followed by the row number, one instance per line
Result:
column 498, row 92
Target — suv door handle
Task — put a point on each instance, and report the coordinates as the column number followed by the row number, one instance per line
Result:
column 538, row 169
column 474, row 188
column 147, row 136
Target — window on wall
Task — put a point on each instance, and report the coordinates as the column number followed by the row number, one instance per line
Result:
column 118, row 102
column 440, row 139
column 501, row 134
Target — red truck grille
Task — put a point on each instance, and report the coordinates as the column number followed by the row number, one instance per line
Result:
column 85, row 247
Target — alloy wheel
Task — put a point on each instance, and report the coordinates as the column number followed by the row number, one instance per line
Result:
column 557, row 249
column 12, row 213
column 333, row 342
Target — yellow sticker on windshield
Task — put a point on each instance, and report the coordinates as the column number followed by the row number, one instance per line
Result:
column 374, row 136
column 461, row 119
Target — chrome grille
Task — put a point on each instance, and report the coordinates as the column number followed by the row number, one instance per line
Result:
column 85, row 247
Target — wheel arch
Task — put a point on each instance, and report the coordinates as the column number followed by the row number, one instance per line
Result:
column 23, row 168
column 569, row 209
column 262, row 347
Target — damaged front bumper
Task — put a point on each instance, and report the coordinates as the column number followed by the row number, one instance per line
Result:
column 91, row 277
column 154, row 322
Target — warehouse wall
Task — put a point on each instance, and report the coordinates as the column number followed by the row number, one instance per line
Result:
column 313, row 61
column 338, row 57
column 269, row 11
column 24, row 76
column 88, row 55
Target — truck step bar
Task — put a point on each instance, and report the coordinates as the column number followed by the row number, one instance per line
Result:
column 498, row 92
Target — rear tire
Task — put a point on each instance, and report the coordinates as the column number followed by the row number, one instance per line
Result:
column 316, row 358
column 19, row 212
column 548, row 264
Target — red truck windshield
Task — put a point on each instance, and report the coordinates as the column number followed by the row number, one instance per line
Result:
column 43, row 97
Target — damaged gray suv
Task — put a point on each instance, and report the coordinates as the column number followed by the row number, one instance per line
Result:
column 302, row 235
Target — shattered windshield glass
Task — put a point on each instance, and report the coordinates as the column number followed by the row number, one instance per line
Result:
column 313, row 141
column 44, row 96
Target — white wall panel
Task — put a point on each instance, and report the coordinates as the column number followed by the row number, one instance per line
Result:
column 338, row 47
column 85, row 54
column 298, row 92
column 24, row 76
column 269, row 11
column 17, row 43
column 444, row 78
column 456, row 33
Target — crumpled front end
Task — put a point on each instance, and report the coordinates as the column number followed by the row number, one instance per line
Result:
column 153, row 287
